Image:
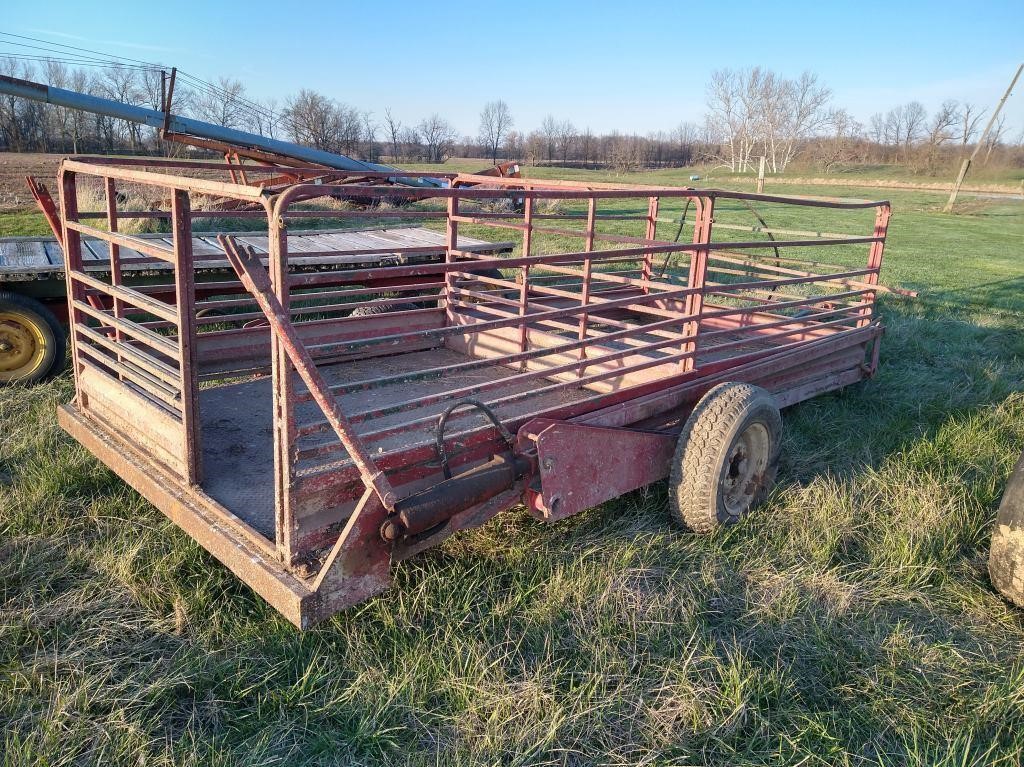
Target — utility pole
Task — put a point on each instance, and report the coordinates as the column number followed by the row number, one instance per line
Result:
column 967, row 163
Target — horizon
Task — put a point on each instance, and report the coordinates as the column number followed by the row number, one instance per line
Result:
column 558, row 73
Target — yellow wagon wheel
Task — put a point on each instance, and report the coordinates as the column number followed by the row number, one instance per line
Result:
column 31, row 340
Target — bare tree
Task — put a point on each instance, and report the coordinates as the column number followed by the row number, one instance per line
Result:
column 839, row 144
column 913, row 116
column 565, row 133
column 438, row 137
column 78, row 81
column 549, row 136
column 514, row 145
column 970, row 119
column 410, row 142
column 58, row 75
column 265, row 117
column 393, row 126
column 904, row 125
column 123, row 84
column 995, row 135
column 877, row 131
column 684, row 138
column 804, row 111
column 756, row 107
column 495, row 123
column 369, row 136
column 942, row 127
column 728, row 118
column 322, row 123
column 224, row 105
column 585, row 142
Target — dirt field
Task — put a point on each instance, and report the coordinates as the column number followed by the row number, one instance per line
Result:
column 14, row 166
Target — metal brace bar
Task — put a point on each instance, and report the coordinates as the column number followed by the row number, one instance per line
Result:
column 257, row 281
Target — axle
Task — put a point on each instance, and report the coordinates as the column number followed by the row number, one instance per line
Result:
column 439, row 503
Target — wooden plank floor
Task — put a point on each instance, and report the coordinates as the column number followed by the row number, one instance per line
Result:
column 41, row 257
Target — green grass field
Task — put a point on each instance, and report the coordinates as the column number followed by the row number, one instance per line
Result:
column 850, row 621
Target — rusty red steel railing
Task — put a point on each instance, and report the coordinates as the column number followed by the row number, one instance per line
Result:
column 578, row 326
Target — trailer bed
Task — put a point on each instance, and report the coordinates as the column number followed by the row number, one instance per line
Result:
column 237, row 422
column 41, row 258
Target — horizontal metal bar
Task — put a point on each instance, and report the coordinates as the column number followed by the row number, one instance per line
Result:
column 439, row 333
column 852, row 310
column 494, row 404
column 474, row 389
column 492, row 305
column 438, row 372
column 781, row 305
column 188, row 184
column 370, row 213
column 125, row 241
column 150, row 364
column 226, row 213
column 755, row 229
column 326, row 294
column 151, row 385
column 297, row 192
column 135, row 330
column 129, row 296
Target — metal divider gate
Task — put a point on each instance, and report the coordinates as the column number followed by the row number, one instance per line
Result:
column 138, row 381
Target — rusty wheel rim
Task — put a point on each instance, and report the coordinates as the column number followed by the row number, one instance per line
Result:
column 745, row 465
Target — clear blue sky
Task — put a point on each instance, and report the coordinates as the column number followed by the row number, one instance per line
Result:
column 611, row 65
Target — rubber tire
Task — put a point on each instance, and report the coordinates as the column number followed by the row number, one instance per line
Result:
column 1006, row 559
column 697, row 500
column 494, row 274
column 370, row 311
column 51, row 329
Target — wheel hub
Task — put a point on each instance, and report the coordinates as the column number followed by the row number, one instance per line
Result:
column 744, row 472
column 21, row 344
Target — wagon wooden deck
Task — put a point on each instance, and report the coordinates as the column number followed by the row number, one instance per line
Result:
column 35, row 258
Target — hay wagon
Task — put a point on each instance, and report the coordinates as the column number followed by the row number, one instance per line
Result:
column 311, row 450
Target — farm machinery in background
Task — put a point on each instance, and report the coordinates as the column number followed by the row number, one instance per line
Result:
column 297, row 163
column 32, row 299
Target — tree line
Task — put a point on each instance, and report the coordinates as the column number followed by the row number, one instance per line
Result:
column 750, row 113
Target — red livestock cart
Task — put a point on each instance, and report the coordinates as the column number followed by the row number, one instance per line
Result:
column 310, row 450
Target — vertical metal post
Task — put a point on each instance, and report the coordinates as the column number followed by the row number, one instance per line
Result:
column 650, row 233
column 72, row 242
column 588, row 265
column 875, row 262
column 231, row 168
column 184, row 293
column 285, row 430
column 697, row 278
column 241, row 169
column 115, row 258
column 524, row 288
column 452, row 230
